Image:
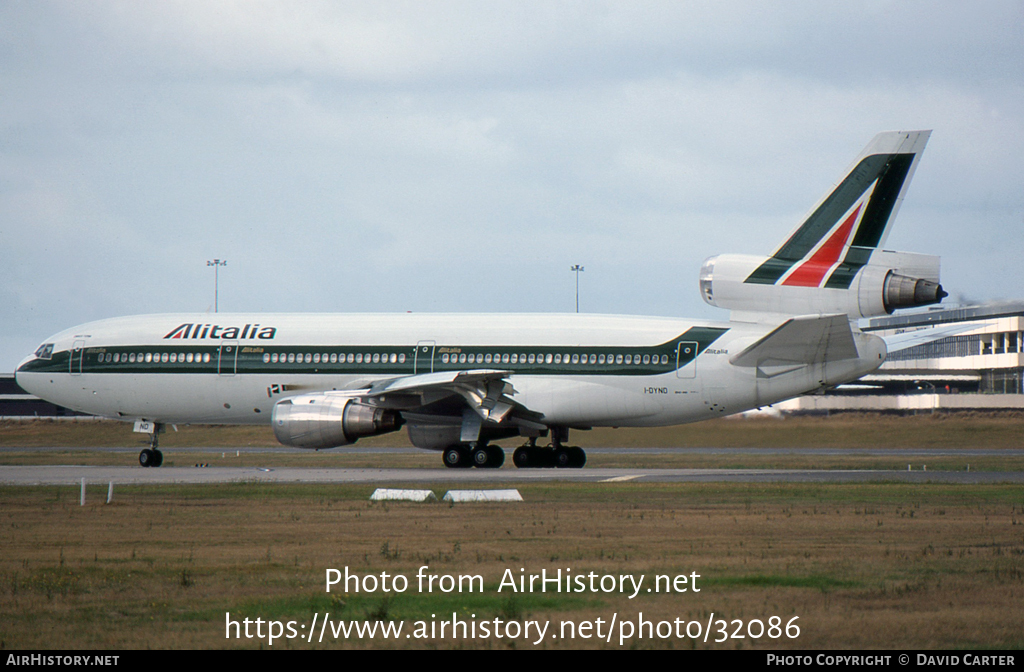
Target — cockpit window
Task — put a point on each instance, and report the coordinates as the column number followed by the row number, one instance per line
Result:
column 45, row 351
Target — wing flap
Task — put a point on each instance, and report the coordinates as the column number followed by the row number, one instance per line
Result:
column 486, row 391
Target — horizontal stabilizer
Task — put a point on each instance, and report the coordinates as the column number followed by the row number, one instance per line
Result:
column 910, row 339
column 800, row 341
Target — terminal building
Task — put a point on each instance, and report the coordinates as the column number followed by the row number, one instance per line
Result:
column 979, row 368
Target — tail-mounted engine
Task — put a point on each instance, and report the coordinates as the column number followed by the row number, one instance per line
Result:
column 889, row 281
column 329, row 420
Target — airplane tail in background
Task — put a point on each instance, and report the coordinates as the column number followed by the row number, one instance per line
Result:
column 832, row 261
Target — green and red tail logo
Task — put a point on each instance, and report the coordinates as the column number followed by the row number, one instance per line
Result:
column 837, row 239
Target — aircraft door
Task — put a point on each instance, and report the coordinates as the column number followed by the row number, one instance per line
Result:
column 686, row 359
column 227, row 358
column 77, row 355
column 423, row 360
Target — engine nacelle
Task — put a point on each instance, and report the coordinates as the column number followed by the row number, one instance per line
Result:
column 891, row 280
column 329, row 420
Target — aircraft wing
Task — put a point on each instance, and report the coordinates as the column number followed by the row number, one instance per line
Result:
column 800, row 341
column 486, row 391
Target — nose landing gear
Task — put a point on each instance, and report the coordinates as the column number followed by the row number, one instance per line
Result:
column 152, row 457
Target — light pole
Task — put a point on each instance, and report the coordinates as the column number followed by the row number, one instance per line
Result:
column 216, row 263
column 577, row 269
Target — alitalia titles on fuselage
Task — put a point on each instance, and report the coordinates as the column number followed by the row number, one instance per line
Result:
column 201, row 331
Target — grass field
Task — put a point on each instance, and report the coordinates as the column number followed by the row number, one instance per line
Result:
column 850, row 430
column 882, row 565
column 862, row 566
column 989, row 432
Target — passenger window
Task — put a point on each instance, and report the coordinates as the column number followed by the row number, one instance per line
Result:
column 401, row 358
column 647, row 359
column 206, row 358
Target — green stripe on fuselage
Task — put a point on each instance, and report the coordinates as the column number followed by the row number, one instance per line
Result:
column 249, row 359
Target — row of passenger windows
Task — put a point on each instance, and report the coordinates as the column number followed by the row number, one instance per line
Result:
column 334, row 358
column 386, row 358
column 512, row 358
column 153, row 357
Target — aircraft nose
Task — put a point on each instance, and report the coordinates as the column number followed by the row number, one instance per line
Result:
column 19, row 370
column 22, row 364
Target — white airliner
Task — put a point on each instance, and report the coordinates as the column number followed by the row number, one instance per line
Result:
column 458, row 381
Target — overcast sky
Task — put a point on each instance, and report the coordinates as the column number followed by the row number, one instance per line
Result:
column 461, row 156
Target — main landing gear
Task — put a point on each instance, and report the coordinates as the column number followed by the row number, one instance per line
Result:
column 556, row 455
column 473, row 455
column 152, row 457
column 481, row 455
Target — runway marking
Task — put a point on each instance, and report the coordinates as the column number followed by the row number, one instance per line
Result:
column 619, row 479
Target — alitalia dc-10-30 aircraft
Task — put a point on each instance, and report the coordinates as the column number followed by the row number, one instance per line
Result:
column 456, row 382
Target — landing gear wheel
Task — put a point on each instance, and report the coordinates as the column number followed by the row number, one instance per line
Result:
column 521, row 458
column 577, row 457
column 457, row 457
column 147, row 458
column 481, row 457
column 495, row 457
column 563, row 458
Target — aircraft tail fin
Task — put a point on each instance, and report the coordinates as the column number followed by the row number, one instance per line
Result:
column 832, row 261
column 837, row 237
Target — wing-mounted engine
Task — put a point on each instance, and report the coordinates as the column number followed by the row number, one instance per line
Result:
column 328, row 420
column 892, row 280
